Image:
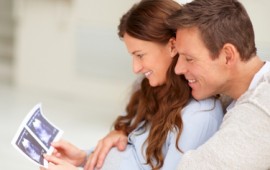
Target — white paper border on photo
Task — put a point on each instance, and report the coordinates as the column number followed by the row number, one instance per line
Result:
column 23, row 126
column 183, row 1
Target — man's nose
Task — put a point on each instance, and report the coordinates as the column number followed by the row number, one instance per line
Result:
column 180, row 67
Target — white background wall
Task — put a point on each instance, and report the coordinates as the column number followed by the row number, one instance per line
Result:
column 259, row 13
column 71, row 46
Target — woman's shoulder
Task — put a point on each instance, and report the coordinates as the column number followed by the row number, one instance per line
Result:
column 202, row 105
column 210, row 106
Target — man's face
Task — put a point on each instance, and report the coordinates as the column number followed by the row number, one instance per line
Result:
column 206, row 77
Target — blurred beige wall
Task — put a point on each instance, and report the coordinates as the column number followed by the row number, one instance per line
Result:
column 6, row 40
column 259, row 12
column 71, row 46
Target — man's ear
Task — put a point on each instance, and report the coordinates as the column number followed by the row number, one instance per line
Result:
column 230, row 54
column 173, row 50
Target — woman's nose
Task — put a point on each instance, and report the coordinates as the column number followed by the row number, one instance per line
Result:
column 137, row 66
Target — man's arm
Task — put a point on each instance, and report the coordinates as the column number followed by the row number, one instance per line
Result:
column 243, row 141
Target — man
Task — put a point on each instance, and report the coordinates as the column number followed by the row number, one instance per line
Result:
column 215, row 40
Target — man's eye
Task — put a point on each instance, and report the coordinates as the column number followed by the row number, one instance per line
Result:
column 189, row 59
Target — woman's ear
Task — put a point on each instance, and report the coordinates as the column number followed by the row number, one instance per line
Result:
column 173, row 50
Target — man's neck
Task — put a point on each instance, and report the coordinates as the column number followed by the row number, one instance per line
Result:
column 243, row 75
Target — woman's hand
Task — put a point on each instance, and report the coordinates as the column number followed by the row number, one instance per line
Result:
column 113, row 139
column 57, row 164
column 69, row 153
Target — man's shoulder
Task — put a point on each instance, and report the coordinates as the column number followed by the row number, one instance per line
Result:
column 266, row 77
column 260, row 95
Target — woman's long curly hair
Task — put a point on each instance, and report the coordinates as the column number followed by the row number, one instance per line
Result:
column 160, row 107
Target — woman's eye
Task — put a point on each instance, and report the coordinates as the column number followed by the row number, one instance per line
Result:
column 140, row 56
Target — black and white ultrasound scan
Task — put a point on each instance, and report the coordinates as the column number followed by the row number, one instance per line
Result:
column 35, row 135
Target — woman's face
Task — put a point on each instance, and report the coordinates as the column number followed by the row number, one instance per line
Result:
column 150, row 59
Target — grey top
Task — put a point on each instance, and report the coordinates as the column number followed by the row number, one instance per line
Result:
column 243, row 141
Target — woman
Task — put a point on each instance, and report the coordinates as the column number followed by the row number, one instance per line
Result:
column 162, row 121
